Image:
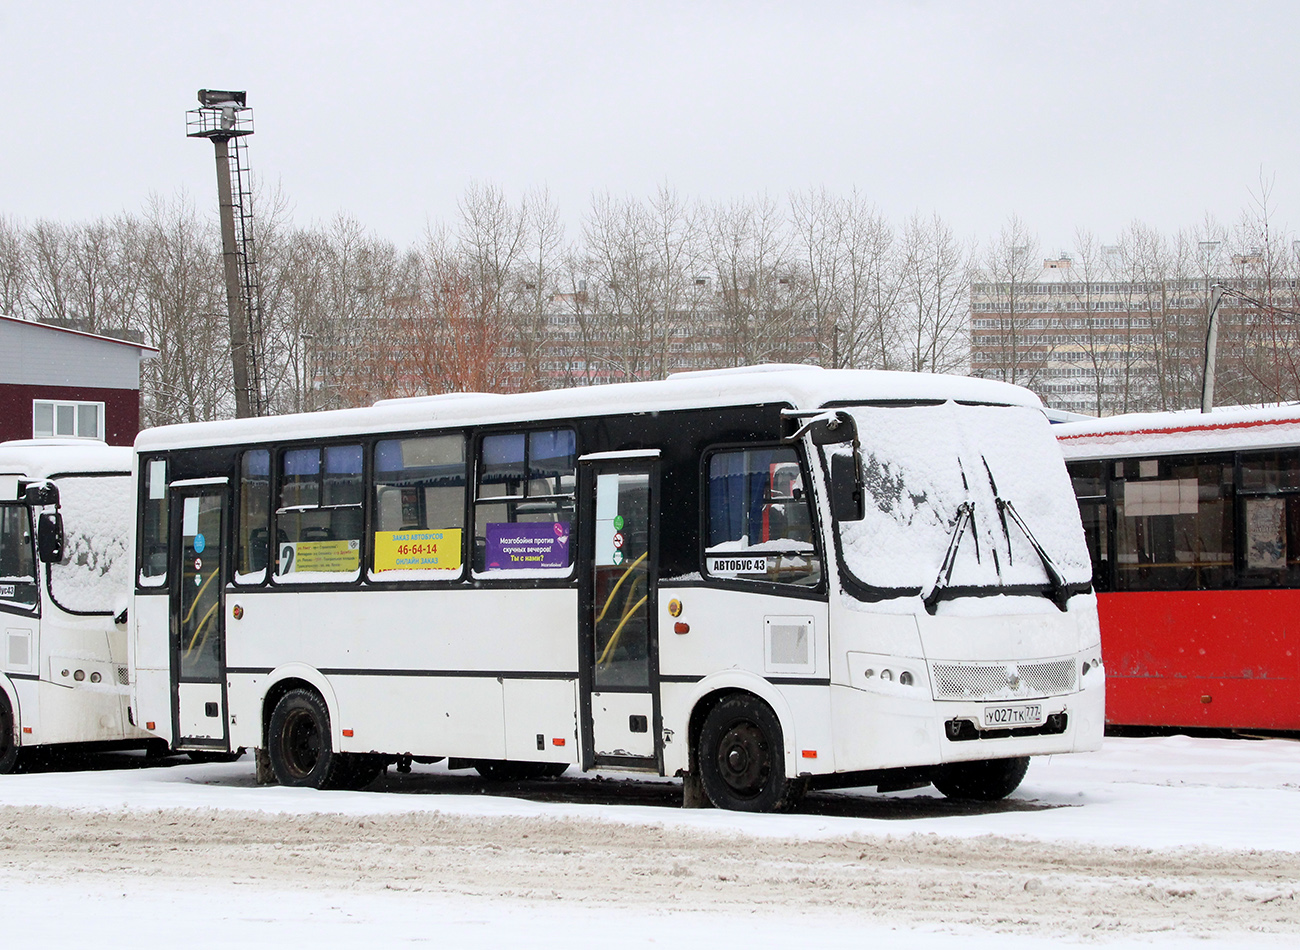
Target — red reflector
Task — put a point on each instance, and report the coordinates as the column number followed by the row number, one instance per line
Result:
column 149, row 725
column 557, row 742
column 27, row 730
column 810, row 753
column 680, row 627
column 348, row 733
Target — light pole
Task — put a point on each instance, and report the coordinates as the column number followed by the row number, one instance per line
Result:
column 222, row 116
column 1209, row 251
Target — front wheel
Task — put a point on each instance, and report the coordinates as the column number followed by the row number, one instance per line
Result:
column 985, row 780
column 742, row 758
column 299, row 745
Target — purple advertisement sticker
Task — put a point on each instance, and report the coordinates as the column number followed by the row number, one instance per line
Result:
column 527, row 545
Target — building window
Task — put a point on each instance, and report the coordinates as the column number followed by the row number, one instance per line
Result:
column 67, row 420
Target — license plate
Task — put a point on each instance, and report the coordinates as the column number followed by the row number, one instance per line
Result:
column 1008, row 717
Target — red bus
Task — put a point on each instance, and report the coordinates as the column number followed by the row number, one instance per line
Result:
column 1193, row 526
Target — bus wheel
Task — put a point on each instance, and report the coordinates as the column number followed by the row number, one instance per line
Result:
column 8, row 740
column 985, row 780
column 742, row 758
column 299, row 742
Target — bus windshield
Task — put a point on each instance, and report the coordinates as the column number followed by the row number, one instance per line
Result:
column 962, row 498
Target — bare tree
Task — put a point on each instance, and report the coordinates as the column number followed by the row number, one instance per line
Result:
column 538, row 274
column 49, row 253
column 936, row 292
column 1011, row 262
column 181, row 313
column 13, row 270
column 493, row 239
column 749, row 248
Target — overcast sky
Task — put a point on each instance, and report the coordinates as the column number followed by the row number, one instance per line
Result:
column 1067, row 114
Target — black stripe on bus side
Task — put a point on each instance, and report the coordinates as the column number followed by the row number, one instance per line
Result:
column 35, row 677
column 774, row 680
column 479, row 674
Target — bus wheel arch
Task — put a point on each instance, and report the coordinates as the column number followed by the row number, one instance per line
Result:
column 299, row 676
column 738, row 751
column 298, row 740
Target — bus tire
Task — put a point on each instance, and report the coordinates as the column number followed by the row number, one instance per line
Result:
column 9, row 749
column 299, row 745
column 985, row 780
column 742, row 757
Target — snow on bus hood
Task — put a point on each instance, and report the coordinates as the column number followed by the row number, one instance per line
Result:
column 922, row 463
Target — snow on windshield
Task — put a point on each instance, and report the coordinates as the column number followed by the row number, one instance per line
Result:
column 921, row 463
column 95, row 571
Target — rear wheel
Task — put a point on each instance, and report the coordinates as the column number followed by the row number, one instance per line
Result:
column 299, row 745
column 742, row 758
column 9, row 749
column 986, row 780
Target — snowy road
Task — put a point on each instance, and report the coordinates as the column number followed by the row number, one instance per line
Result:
column 1168, row 842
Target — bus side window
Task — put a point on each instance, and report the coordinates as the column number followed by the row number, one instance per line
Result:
column 254, row 517
column 17, row 563
column 319, row 518
column 524, row 501
column 1270, row 519
column 153, row 528
column 759, row 519
column 419, row 507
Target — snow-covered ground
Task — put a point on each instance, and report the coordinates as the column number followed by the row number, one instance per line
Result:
column 1173, row 842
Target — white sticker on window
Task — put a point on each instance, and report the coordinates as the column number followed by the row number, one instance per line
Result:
column 157, row 479
column 733, row 566
column 190, row 518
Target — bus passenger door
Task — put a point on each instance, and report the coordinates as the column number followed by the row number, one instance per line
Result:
column 619, row 648
column 198, row 644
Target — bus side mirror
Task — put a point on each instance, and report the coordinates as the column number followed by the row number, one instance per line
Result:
column 40, row 494
column 49, row 537
column 846, row 487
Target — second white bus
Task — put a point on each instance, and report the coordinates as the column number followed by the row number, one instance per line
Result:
column 762, row 580
column 66, row 509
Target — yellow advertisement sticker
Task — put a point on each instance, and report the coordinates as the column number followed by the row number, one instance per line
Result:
column 417, row 550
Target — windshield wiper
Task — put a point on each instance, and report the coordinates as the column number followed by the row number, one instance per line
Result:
column 965, row 516
column 1060, row 589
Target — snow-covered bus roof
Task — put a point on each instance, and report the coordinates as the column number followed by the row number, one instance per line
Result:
column 1181, row 432
column 801, row 387
column 44, row 458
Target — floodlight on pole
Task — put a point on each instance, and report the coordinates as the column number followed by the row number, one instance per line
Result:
column 224, row 115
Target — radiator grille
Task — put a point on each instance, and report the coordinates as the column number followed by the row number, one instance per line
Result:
column 123, row 676
column 982, row 681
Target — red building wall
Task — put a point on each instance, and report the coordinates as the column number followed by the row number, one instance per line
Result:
column 121, row 409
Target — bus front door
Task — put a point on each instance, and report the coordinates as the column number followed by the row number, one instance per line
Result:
column 620, row 642
column 197, row 623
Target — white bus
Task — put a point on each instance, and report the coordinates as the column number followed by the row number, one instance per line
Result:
column 66, row 509
column 762, row 580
